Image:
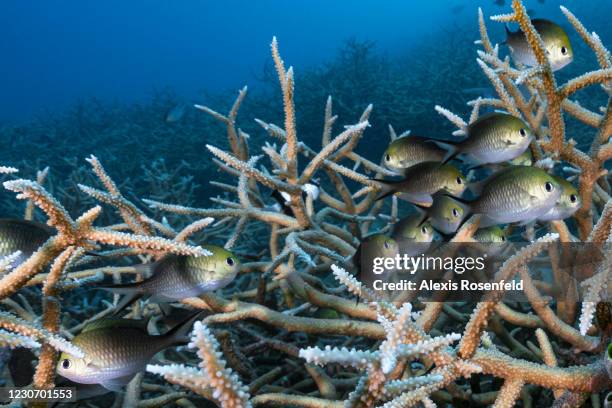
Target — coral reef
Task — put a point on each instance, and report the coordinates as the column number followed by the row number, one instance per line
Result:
column 285, row 333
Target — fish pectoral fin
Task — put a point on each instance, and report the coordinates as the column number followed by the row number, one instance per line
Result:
column 424, row 200
column 534, row 199
column 88, row 362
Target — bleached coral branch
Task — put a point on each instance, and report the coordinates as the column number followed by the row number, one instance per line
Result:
column 596, row 289
column 12, row 340
column 396, row 332
column 424, row 347
column 16, row 325
column 30, row 190
column 192, row 228
column 7, row 261
column 343, row 356
column 327, row 151
column 353, row 285
column 453, row 118
column 213, row 379
column 396, row 387
column 7, row 170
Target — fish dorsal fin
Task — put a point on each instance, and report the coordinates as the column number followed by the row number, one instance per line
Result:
column 181, row 333
column 116, row 323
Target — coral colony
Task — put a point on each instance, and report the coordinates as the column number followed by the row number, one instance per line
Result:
column 284, row 333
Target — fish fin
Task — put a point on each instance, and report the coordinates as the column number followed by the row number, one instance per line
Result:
column 526, row 223
column 477, row 166
column 452, row 149
column 127, row 288
column 387, row 187
column 476, row 187
column 508, row 34
column 450, row 154
column 117, row 384
column 181, row 333
column 115, row 322
column 121, row 288
column 486, row 221
column 422, row 200
column 422, row 210
column 125, row 301
column 165, row 309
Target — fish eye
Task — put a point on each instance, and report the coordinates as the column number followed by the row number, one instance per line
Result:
column 563, row 50
column 387, row 157
column 573, row 198
column 548, row 186
column 66, row 364
column 424, row 230
column 459, row 181
column 387, row 244
column 455, row 212
column 230, row 261
column 523, row 132
column 503, row 238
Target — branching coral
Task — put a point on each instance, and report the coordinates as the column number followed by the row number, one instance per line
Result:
column 214, row 380
column 328, row 348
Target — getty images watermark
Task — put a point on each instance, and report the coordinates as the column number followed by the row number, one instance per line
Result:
column 467, row 271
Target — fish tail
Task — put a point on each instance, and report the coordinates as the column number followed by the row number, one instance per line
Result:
column 125, row 301
column 122, row 288
column 508, row 34
column 452, row 149
column 452, row 152
column 476, row 187
column 181, row 333
column 387, row 187
column 128, row 288
column 131, row 291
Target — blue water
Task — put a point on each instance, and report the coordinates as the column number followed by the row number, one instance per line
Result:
column 55, row 53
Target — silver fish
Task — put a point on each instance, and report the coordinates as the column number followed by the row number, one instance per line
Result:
column 176, row 113
column 22, row 235
column 556, row 42
column 413, row 235
column 493, row 138
column 116, row 350
column 423, row 180
column 516, row 194
column 176, row 277
column 569, row 202
column 445, row 214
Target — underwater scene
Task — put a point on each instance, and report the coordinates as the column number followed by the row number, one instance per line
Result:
column 306, row 204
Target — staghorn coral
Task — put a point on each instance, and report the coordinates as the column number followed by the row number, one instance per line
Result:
column 214, row 379
column 367, row 346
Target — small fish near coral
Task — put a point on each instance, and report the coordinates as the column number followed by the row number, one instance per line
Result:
column 273, row 312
